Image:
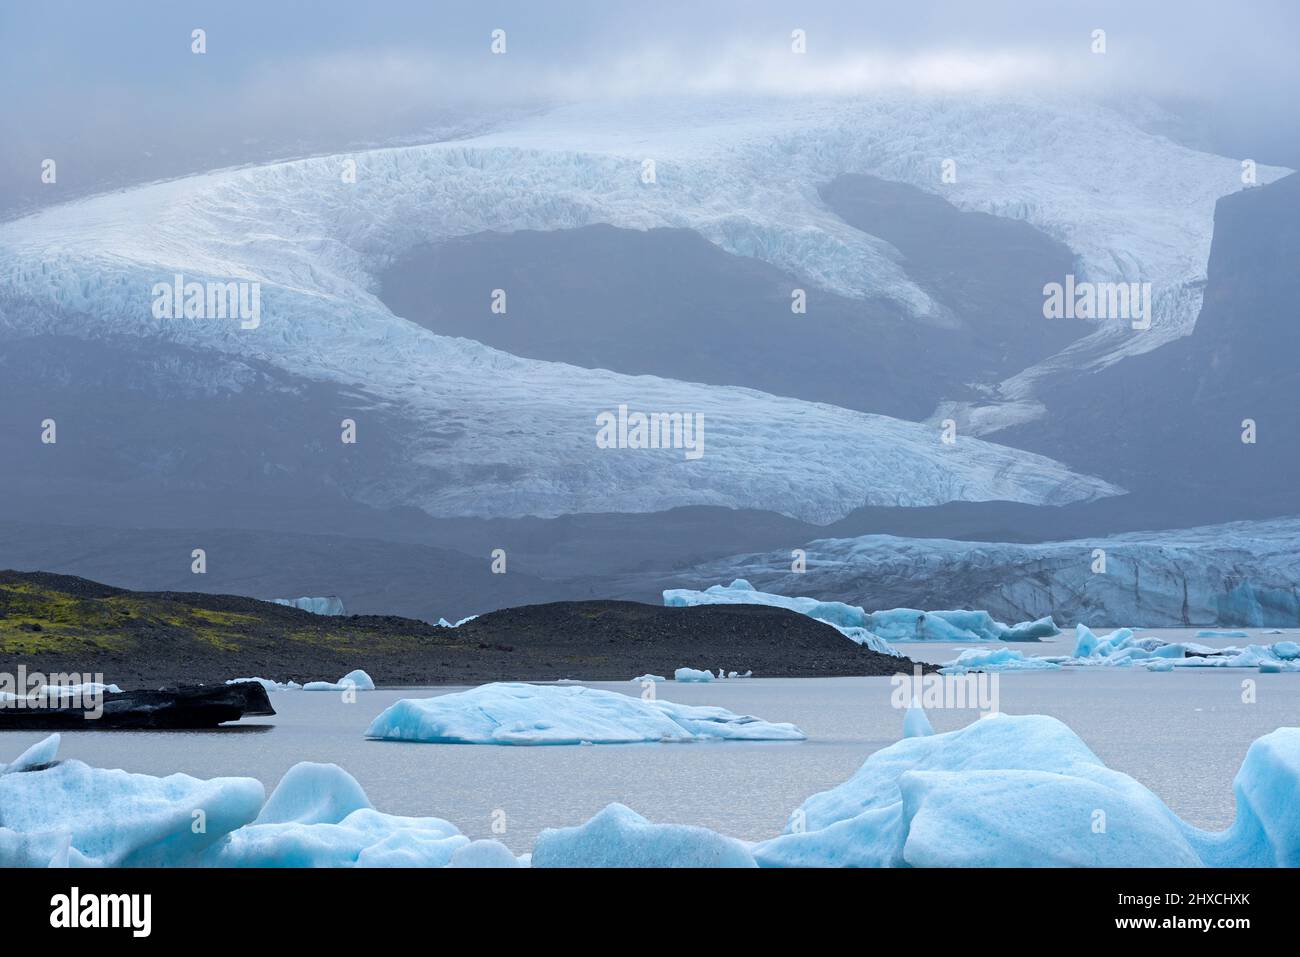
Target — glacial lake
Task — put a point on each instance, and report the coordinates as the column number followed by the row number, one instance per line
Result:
column 1182, row 734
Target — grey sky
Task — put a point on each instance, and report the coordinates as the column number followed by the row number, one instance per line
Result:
column 114, row 92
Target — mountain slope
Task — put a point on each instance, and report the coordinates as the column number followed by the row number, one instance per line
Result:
column 59, row 624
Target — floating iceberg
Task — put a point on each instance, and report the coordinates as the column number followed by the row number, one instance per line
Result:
column 268, row 684
column 874, row 630
column 52, row 692
column 741, row 592
column 849, row 619
column 916, row 723
column 619, row 837
column 43, row 752
column 356, row 680
column 910, row 624
column 563, row 714
column 995, row 659
column 929, row 800
column 1266, row 831
column 94, row 817
column 484, row 854
column 654, row 678
column 319, row 816
column 69, row 814
column 317, row 606
column 1026, row 792
column 1123, row 648
column 691, row 674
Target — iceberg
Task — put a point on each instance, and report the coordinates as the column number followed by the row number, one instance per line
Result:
column 944, row 800
column 691, row 674
column 319, row 816
column 52, row 692
column 995, row 659
column 94, row 817
column 43, row 752
column 1266, row 830
column 916, row 723
column 357, row 680
column 1123, row 648
column 909, row 624
column 523, row 714
column 741, row 592
column 1002, row 791
column 1035, row 630
column 849, row 619
column 483, row 854
column 268, row 684
column 648, row 677
column 619, row 837
column 875, row 630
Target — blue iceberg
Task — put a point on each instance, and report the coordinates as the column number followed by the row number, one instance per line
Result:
column 619, row 837
column 1027, row 792
column 512, row 713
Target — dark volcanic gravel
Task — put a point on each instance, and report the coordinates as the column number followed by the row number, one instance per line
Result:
column 589, row 640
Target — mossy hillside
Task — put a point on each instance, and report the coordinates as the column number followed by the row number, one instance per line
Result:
column 41, row 615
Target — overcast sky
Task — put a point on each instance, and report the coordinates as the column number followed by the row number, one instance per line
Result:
column 113, row 90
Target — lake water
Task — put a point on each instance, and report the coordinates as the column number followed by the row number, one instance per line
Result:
column 1183, row 734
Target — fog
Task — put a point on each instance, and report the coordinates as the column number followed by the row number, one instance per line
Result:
column 116, row 96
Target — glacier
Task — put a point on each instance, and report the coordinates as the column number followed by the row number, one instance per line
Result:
column 317, row 606
column 742, row 173
column 523, row 714
column 1235, row 574
column 495, row 435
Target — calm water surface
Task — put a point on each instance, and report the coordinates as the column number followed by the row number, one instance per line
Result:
column 1183, row 734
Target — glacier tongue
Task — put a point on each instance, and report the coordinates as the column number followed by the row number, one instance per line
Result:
column 1239, row 573
column 489, row 434
column 495, row 435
